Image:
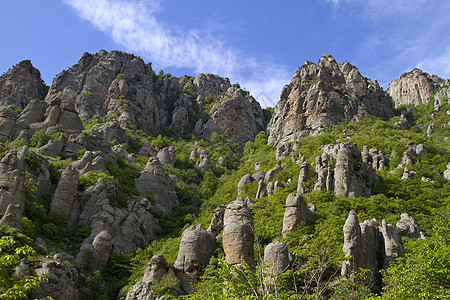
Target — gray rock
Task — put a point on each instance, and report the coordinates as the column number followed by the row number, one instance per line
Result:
column 203, row 160
column 393, row 246
column 167, row 155
column 408, row 174
column 352, row 244
column 196, row 248
column 53, row 148
column 262, row 190
column 416, row 88
column 297, row 211
column 113, row 133
column 7, row 122
column 155, row 180
column 276, row 259
column 236, row 115
column 238, row 234
column 323, row 95
column 13, row 217
column 270, row 175
column 146, row 150
column 408, row 227
column 20, row 84
column 222, row 161
column 259, row 176
column 303, row 176
column 61, row 283
column 447, row 172
column 430, row 129
column 64, row 200
column 216, row 224
column 246, row 179
column 403, row 123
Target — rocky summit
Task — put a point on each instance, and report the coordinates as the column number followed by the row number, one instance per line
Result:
column 321, row 96
column 109, row 177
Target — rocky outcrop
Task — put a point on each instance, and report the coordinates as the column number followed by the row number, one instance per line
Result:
column 276, row 259
column 155, row 180
column 21, row 84
column 196, row 248
column 113, row 229
column 156, row 270
column 417, row 87
column 363, row 242
column 236, row 115
column 61, row 283
column 238, row 234
column 303, row 176
column 322, row 95
column 297, row 211
column 246, row 179
column 447, row 172
column 270, row 175
column 354, row 174
column 216, row 224
column 408, row 227
column 167, row 155
column 64, row 200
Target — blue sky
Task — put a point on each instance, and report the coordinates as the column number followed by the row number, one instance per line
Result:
column 257, row 44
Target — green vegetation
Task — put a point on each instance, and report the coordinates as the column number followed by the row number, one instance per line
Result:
column 316, row 248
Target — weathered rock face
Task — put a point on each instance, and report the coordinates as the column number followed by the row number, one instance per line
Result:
column 113, row 229
column 276, row 258
column 238, row 234
column 21, row 84
column 236, row 115
column 196, row 248
column 216, row 224
column 167, row 155
column 303, row 176
column 354, row 174
column 61, row 283
column 297, row 211
column 155, row 180
column 246, row 179
column 64, row 199
column 417, row 87
column 362, row 241
column 408, row 227
column 323, row 95
column 393, row 246
column 447, row 172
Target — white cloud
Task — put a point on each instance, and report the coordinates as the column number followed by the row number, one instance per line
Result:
column 439, row 64
column 134, row 25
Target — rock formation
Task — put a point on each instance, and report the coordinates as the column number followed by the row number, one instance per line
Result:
column 408, row 227
column 216, row 224
column 447, row 172
column 21, row 84
column 323, row 95
column 155, row 180
column 354, row 174
column 362, row 242
column 238, row 234
column 246, row 179
column 417, row 87
column 303, row 176
column 276, row 258
column 297, row 211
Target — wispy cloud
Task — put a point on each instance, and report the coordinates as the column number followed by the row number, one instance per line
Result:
column 403, row 34
column 135, row 26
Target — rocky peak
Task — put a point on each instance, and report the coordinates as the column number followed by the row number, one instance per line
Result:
column 321, row 95
column 417, row 87
column 20, row 84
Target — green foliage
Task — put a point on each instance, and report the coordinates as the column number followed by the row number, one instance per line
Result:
column 126, row 175
column 16, row 109
column 167, row 286
column 14, row 247
column 121, row 76
column 90, row 178
column 424, row 272
column 39, row 139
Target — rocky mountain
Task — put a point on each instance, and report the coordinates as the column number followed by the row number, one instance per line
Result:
column 320, row 96
column 21, row 84
column 417, row 87
column 108, row 179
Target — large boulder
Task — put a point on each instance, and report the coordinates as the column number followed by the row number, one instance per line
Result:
column 276, row 259
column 155, row 180
column 297, row 211
column 238, row 234
column 323, row 95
